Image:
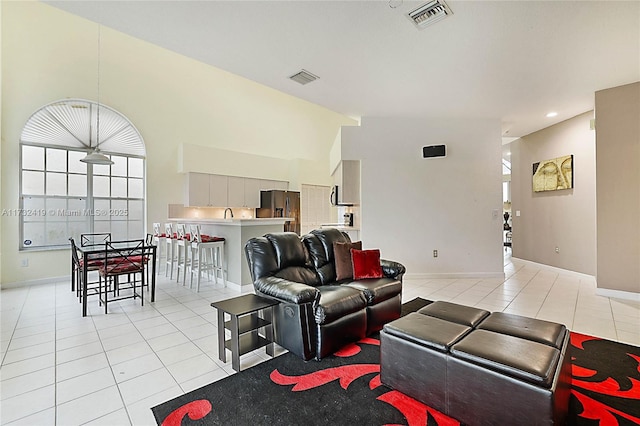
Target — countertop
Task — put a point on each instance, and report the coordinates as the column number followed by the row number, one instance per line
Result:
column 340, row 226
column 234, row 221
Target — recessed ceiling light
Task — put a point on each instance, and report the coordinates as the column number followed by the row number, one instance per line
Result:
column 551, row 114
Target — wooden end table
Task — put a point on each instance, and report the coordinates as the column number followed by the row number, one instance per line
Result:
column 244, row 324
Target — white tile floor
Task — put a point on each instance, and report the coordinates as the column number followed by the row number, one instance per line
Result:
column 59, row 368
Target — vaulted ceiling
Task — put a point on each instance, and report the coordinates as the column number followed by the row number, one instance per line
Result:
column 512, row 60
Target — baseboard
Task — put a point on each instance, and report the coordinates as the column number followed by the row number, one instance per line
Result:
column 40, row 281
column 454, row 275
column 618, row 294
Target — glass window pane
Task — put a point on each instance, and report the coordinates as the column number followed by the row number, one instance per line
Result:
column 75, row 165
column 101, row 212
column 33, row 183
column 119, row 230
column 77, row 228
column 118, row 187
column 119, row 166
column 77, row 207
column 35, row 206
column 135, row 210
column 136, row 167
column 119, row 210
column 101, row 186
column 33, row 234
column 57, row 209
column 56, row 183
column 56, row 160
column 32, row 157
column 136, row 188
column 135, row 229
column 57, row 233
column 101, row 170
column 103, row 226
column 78, row 185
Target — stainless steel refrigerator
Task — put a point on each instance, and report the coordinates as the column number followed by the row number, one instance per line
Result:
column 277, row 203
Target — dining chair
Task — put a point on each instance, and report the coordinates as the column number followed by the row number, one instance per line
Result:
column 77, row 271
column 94, row 239
column 122, row 258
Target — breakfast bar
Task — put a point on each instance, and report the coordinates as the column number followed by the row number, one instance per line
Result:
column 236, row 233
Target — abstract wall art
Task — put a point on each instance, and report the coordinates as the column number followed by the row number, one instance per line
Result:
column 554, row 174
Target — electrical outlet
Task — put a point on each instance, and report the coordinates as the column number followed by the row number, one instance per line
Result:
column 24, row 262
column 557, row 250
column 435, row 253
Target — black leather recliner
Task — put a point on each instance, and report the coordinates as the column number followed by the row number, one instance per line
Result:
column 318, row 315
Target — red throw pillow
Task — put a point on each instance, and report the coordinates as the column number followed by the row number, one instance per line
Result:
column 342, row 256
column 366, row 264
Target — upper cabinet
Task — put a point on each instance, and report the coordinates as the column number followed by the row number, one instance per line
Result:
column 205, row 190
column 347, row 178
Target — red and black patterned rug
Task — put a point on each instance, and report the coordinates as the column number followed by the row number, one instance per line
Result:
column 345, row 389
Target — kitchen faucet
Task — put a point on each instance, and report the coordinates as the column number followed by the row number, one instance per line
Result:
column 230, row 211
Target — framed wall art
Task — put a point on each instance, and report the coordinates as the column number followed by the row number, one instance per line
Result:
column 554, row 174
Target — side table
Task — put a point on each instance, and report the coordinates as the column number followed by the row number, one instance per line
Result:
column 244, row 324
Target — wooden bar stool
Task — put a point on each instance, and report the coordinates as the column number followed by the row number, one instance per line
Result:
column 183, row 247
column 207, row 256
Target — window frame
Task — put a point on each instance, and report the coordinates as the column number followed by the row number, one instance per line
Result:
column 89, row 210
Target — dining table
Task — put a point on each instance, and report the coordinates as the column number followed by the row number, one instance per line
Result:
column 98, row 251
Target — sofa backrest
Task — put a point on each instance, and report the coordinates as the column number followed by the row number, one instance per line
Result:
column 319, row 244
column 280, row 255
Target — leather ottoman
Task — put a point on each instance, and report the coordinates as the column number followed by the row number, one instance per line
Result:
column 478, row 368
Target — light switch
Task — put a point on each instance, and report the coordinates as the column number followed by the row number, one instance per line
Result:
column 518, row 213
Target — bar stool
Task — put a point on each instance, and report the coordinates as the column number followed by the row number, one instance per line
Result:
column 183, row 247
column 170, row 244
column 207, row 255
column 159, row 239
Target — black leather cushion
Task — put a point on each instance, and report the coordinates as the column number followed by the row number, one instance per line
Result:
column 288, row 248
column 465, row 315
column 337, row 301
column 377, row 289
column 317, row 254
column 300, row 274
column 427, row 331
column 523, row 359
column 288, row 291
column 261, row 258
column 549, row 333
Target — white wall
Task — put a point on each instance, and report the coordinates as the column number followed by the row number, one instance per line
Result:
column 566, row 218
column 412, row 206
column 48, row 54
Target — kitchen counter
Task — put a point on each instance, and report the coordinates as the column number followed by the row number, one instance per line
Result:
column 352, row 231
column 233, row 221
column 236, row 233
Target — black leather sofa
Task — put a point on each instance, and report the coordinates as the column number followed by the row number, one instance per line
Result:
column 318, row 315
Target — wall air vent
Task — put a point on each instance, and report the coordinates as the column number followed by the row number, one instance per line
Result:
column 303, row 77
column 429, row 13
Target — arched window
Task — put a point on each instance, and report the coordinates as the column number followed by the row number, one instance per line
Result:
column 61, row 196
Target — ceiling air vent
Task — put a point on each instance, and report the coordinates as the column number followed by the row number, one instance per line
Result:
column 429, row 13
column 304, row 77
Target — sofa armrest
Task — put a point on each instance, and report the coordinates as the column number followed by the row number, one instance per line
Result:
column 287, row 291
column 392, row 269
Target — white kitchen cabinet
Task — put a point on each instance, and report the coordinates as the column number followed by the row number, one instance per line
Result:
column 236, row 192
column 218, row 191
column 252, row 192
column 268, row 185
column 347, row 178
column 206, row 190
column 196, row 189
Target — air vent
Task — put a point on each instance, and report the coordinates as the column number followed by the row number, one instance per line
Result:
column 304, row 77
column 429, row 13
